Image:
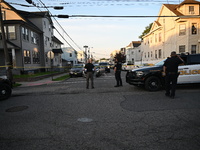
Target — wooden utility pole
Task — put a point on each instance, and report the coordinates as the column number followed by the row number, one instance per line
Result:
column 4, row 43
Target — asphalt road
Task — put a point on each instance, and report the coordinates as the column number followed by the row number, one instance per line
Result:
column 67, row 116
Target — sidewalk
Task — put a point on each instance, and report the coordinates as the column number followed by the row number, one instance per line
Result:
column 47, row 80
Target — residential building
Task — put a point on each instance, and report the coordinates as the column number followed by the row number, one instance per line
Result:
column 180, row 32
column 29, row 39
column 133, row 52
column 57, row 59
column 70, row 55
column 81, row 56
column 23, row 41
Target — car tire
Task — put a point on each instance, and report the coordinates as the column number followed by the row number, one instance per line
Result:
column 153, row 84
column 5, row 91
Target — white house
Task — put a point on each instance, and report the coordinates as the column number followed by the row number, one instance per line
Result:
column 133, row 52
column 70, row 55
column 180, row 32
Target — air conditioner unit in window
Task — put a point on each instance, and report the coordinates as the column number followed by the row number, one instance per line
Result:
column 191, row 12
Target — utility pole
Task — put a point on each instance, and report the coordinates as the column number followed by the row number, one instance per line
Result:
column 4, row 43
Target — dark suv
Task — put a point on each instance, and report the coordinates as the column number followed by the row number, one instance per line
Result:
column 105, row 65
column 5, row 88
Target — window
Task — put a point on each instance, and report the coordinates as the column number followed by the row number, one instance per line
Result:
column 182, row 29
column 36, row 57
column 191, row 9
column 148, row 54
column 155, row 37
column 151, row 54
column 11, row 33
column 25, row 33
column 156, row 55
column 193, row 51
column 70, row 54
column 159, row 53
column 34, row 38
column 27, row 57
column 181, row 48
column 160, row 38
column 194, row 28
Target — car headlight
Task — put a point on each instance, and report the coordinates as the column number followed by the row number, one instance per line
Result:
column 139, row 73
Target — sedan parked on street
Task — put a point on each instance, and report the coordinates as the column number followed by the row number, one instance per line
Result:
column 77, row 70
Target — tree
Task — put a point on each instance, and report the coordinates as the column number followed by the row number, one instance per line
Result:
column 146, row 31
column 120, row 57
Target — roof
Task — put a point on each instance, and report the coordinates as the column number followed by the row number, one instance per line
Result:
column 42, row 14
column 188, row 2
column 57, row 50
column 23, row 17
column 12, row 45
column 55, row 39
column 172, row 8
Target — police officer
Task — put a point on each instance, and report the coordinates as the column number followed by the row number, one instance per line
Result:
column 117, row 70
column 89, row 73
column 170, row 71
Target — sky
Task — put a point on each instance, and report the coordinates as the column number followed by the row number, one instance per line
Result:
column 102, row 35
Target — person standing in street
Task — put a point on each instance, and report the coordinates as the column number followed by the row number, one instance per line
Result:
column 170, row 71
column 117, row 70
column 89, row 73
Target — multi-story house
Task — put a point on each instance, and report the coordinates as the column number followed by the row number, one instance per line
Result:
column 29, row 39
column 70, row 55
column 179, row 31
column 81, row 57
column 57, row 51
column 133, row 52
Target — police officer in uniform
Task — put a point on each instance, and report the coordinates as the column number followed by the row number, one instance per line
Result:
column 89, row 73
column 170, row 71
column 117, row 70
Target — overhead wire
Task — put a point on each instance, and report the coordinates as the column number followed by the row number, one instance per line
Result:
column 62, row 29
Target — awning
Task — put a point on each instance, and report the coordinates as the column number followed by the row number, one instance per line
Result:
column 57, row 51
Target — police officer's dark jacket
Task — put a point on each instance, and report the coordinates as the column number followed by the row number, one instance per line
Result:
column 172, row 64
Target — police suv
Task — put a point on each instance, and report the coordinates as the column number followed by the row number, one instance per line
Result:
column 151, row 77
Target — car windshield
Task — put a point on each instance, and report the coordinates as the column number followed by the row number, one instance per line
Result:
column 160, row 63
column 103, row 64
column 78, row 66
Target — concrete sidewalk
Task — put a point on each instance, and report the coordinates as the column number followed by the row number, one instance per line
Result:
column 47, row 80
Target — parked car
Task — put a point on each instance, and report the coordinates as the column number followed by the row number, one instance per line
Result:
column 77, row 70
column 105, row 65
column 128, row 66
column 151, row 77
column 5, row 88
column 99, row 70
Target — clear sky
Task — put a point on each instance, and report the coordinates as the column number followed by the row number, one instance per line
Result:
column 103, row 35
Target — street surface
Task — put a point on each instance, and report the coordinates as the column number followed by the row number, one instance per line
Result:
column 67, row 116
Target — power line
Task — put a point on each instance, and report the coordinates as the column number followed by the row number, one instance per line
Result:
column 62, row 29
